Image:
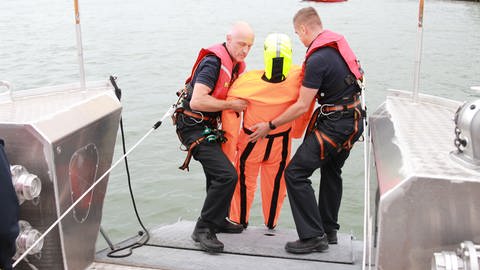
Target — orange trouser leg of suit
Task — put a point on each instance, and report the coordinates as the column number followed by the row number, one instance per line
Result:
column 268, row 157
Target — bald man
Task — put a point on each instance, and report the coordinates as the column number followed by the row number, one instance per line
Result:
column 198, row 128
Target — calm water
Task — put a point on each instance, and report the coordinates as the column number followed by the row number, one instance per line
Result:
column 152, row 44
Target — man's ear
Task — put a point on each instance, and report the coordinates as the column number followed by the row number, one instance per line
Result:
column 303, row 29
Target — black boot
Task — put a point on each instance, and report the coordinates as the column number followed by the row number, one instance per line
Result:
column 229, row 227
column 207, row 239
column 308, row 245
column 332, row 237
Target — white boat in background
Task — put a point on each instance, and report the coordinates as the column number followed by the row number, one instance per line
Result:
column 425, row 213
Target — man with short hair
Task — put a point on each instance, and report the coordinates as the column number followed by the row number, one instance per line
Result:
column 199, row 131
column 332, row 75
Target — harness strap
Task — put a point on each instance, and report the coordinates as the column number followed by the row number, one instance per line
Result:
column 189, row 154
column 320, row 141
column 326, row 138
column 348, row 144
column 329, row 108
column 312, row 122
column 326, row 110
column 195, row 115
column 322, row 138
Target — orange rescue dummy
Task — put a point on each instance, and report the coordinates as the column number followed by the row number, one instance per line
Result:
column 269, row 92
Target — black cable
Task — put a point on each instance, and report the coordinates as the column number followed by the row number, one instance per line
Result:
column 145, row 232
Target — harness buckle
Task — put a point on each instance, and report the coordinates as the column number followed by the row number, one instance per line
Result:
column 332, row 115
column 323, row 108
column 200, row 120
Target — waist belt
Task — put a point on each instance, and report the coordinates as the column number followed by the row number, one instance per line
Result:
column 327, row 109
column 194, row 115
column 336, row 112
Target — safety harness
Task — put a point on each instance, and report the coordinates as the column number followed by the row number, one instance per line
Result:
column 197, row 116
column 209, row 134
column 335, row 112
column 227, row 74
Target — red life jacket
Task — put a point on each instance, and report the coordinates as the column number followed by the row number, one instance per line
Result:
column 337, row 41
column 225, row 77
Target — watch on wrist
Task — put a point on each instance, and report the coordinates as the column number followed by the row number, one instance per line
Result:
column 271, row 125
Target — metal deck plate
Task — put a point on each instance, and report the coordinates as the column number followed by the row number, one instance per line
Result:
column 255, row 243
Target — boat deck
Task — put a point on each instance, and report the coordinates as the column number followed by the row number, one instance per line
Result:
column 170, row 247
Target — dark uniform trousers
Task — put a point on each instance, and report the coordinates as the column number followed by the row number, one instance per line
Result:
column 220, row 174
column 8, row 212
column 312, row 219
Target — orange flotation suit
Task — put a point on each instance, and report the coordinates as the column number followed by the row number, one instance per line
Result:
column 270, row 155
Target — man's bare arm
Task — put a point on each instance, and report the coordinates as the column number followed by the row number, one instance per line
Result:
column 202, row 101
column 298, row 108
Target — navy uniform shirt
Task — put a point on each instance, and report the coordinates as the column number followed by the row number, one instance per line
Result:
column 326, row 70
column 207, row 71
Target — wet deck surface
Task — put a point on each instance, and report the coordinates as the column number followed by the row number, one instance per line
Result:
column 170, row 247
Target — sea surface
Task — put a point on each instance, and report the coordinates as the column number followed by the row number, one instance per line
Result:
column 151, row 45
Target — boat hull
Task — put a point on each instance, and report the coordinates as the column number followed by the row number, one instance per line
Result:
column 427, row 202
column 66, row 137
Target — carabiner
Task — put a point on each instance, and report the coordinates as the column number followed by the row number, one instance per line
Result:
column 325, row 106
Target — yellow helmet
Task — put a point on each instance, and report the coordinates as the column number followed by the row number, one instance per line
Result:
column 277, row 54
